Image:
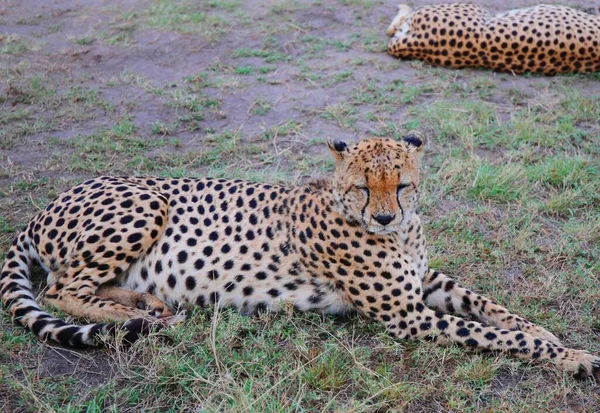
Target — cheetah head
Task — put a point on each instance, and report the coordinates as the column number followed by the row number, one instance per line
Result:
column 404, row 10
column 376, row 181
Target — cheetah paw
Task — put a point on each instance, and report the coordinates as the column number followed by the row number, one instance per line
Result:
column 584, row 365
column 154, row 306
column 173, row 320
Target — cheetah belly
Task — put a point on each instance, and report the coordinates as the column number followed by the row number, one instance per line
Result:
column 228, row 288
column 198, row 265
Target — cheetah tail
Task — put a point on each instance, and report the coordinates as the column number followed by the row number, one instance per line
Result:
column 16, row 294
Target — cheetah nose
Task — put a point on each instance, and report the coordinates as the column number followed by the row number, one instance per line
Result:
column 384, row 219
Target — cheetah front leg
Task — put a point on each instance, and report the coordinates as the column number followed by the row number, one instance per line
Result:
column 446, row 295
column 409, row 318
column 444, row 329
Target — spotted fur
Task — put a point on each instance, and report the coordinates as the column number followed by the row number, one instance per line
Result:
column 128, row 252
column 541, row 39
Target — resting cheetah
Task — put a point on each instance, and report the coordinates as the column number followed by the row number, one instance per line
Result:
column 540, row 39
column 127, row 251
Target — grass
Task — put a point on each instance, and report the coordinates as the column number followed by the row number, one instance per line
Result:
column 16, row 45
column 261, row 107
column 185, row 17
column 253, row 91
column 269, row 56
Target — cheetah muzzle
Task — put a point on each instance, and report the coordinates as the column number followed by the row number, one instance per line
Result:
column 126, row 252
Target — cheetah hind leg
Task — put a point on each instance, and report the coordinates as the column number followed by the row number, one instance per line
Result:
column 404, row 10
column 444, row 294
column 143, row 301
column 93, row 263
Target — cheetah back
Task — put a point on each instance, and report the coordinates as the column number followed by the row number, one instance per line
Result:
column 541, row 39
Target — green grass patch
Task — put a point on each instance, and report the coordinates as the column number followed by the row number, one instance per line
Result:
column 16, row 45
column 270, row 56
column 184, row 17
column 503, row 183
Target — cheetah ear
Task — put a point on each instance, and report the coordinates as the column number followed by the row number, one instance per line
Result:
column 337, row 148
column 415, row 142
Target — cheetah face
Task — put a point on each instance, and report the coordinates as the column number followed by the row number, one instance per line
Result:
column 376, row 181
column 404, row 10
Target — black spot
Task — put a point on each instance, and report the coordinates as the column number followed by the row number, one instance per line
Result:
column 214, row 297
column 135, row 237
column 471, row 342
column 182, row 257
column 463, row 332
column 490, row 336
column 190, row 283
column 442, row 325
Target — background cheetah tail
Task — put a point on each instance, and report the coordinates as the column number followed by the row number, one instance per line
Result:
column 16, row 295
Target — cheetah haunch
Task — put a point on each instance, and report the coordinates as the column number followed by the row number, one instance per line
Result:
column 128, row 251
column 540, row 39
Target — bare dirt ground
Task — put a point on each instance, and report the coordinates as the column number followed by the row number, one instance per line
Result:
column 251, row 89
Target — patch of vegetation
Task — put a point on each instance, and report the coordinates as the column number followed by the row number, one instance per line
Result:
column 260, row 107
column 269, row 56
column 15, row 45
column 184, row 17
column 243, row 70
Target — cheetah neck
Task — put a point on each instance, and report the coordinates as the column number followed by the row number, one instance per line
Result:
column 413, row 243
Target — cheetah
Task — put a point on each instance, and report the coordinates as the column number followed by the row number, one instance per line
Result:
column 541, row 39
column 126, row 252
